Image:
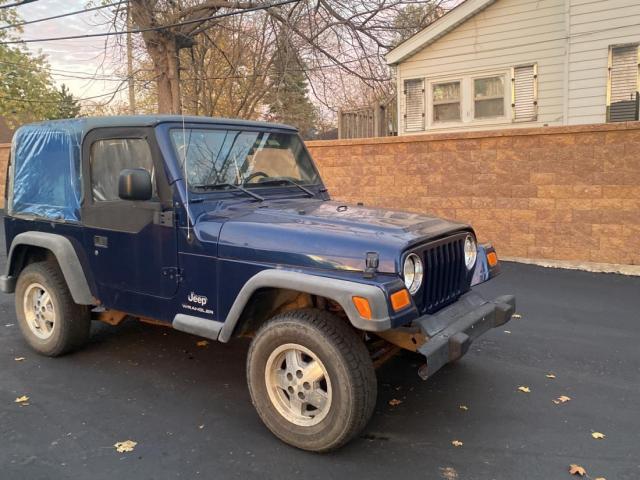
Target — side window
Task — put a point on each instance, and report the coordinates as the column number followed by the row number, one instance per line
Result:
column 623, row 100
column 414, row 105
column 109, row 157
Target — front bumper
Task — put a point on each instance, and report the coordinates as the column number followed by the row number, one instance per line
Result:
column 451, row 331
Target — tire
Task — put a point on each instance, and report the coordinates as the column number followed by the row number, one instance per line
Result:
column 62, row 326
column 336, row 407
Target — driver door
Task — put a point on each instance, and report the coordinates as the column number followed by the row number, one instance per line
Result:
column 131, row 244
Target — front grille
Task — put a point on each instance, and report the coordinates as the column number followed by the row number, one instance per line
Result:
column 446, row 277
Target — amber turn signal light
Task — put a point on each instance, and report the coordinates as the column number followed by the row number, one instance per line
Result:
column 492, row 259
column 400, row 300
column 363, row 307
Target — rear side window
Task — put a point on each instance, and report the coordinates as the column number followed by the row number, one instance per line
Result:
column 109, row 157
column 46, row 174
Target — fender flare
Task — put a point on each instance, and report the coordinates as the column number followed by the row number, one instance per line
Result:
column 340, row 291
column 67, row 259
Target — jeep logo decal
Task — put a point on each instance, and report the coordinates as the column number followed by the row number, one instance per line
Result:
column 199, row 299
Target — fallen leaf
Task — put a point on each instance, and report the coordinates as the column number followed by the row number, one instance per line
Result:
column 22, row 399
column 448, row 473
column 599, row 478
column 550, row 375
column 524, row 389
column 562, row 399
column 463, row 407
column 516, row 316
column 202, row 343
column 598, row 435
column 507, row 331
column 457, row 443
column 126, row 446
column 19, row 359
column 577, row 470
column 394, row 402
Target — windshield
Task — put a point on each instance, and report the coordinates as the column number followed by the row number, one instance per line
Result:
column 245, row 158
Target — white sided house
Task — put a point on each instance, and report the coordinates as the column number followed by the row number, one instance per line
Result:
column 490, row 64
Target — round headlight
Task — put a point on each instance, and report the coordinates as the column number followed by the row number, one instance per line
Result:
column 470, row 252
column 413, row 273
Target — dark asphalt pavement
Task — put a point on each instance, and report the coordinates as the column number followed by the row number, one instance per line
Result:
column 189, row 409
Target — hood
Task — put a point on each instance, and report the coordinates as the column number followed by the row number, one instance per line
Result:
column 323, row 234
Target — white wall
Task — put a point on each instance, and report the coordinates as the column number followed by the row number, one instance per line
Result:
column 594, row 25
column 507, row 33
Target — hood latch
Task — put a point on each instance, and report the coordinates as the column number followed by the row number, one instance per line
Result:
column 371, row 263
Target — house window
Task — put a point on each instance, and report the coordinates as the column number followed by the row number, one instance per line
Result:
column 622, row 94
column 414, row 105
column 488, row 97
column 476, row 98
column 446, row 102
column 524, row 91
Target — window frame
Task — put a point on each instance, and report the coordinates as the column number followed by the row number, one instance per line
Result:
column 467, row 99
column 504, row 97
column 432, row 103
column 610, row 72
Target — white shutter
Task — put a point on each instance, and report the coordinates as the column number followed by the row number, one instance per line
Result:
column 623, row 83
column 414, row 114
column 524, row 93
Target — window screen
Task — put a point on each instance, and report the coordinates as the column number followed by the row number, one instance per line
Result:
column 110, row 157
column 446, row 102
column 525, row 91
column 414, row 105
column 488, row 97
column 623, row 84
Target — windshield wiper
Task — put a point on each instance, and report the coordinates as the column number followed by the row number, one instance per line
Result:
column 218, row 186
column 289, row 181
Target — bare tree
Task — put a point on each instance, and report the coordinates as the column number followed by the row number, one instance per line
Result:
column 332, row 35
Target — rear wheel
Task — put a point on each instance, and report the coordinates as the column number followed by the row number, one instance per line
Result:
column 51, row 323
column 311, row 379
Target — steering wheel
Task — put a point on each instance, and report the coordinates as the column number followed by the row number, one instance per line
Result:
column 254, row 175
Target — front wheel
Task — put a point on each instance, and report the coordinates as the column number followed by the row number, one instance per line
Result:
column 311, row 379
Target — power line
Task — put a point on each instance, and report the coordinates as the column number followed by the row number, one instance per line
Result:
column 150, row 29
column 17, row 4
column 26, row 100
column 89, row 76
column 51, row 70
column 62, row 15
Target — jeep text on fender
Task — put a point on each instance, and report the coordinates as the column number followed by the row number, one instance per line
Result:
column 223, row 228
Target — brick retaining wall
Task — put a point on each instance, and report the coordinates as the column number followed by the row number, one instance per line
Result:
column 554, row 193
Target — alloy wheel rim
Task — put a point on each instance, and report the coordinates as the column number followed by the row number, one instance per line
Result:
column 39, row 311
column 298, row 384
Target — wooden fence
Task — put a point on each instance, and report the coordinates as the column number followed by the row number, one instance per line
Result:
column 377, row 120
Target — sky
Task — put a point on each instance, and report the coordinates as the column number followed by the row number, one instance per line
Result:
column 81, row 57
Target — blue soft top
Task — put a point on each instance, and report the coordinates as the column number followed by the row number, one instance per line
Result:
column 46, row 163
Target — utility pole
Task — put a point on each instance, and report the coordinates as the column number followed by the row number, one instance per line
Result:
column 132, row 92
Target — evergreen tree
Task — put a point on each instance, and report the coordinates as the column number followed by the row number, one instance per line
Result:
column 67, row 106
column 288, row 101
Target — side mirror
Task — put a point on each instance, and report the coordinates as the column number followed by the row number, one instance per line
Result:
column 134, row 184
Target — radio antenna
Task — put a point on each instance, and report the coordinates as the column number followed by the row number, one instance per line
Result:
column 187, row 207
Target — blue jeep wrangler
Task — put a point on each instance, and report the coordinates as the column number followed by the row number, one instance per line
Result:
column 223, row 228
